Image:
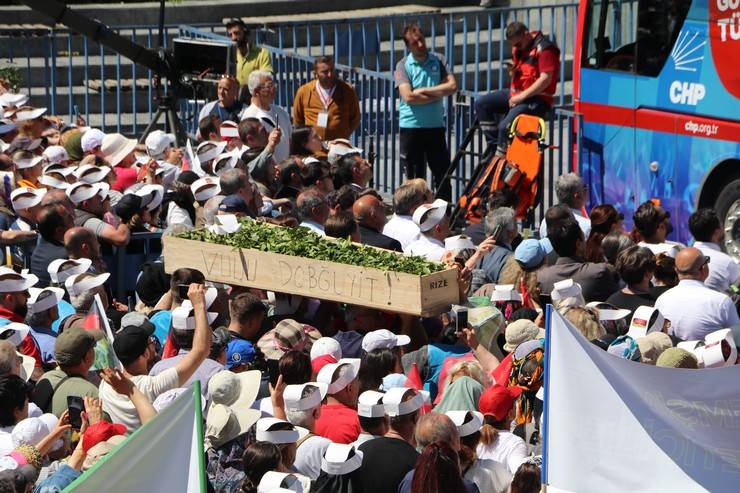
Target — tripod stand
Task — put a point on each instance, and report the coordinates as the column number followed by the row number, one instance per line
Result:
column 167, row 108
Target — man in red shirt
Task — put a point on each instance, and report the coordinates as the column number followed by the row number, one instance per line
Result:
column 338, row 420
column 534, row 79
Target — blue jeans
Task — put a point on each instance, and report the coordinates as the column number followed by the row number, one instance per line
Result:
column 495, row 116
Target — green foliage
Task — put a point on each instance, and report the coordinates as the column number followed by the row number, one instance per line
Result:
column 302, row 242
column 12, row 75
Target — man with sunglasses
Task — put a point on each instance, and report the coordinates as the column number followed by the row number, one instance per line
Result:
column 694, row 309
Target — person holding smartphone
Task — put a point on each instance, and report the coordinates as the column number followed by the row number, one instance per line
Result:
column 135, row 348
column 500, row 224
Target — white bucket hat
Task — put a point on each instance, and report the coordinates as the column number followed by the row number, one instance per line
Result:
column 116, row 147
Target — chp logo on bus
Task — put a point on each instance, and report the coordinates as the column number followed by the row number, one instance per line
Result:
column 724, row 33
column 687, row 56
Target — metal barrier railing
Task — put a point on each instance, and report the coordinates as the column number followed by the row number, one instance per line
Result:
column 63, row 70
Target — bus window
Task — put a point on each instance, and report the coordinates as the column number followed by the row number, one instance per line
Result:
column 609, row 36
column 658, row 25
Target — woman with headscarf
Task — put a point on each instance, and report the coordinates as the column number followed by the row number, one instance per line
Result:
column 527, row 373
column 340, row 469
column 461, row 395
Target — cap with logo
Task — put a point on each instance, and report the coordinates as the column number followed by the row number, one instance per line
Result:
column 239, row 352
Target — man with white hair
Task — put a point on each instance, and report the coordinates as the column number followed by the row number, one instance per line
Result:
column 572, row 192
column 262, row 87
column 303, row 408
column 501, row 224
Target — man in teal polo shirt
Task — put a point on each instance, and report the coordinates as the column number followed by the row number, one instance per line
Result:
column 424, row 80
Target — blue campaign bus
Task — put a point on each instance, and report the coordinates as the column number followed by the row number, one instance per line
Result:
column 657, row 87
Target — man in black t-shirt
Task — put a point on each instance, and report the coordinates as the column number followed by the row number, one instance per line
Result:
column 389, row 458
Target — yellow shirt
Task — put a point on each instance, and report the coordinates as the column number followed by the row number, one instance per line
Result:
column 256, row 59
column 25, row 183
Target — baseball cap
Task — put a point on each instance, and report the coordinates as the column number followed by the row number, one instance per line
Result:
column 73, row 343
column 467, row 422
column 80, row 191
column 26, row 197
column 36, row 305
column 239, row 352
column 459, row 243
column 56, row 154
column 267, row 432
column 183, row 317
column 29, row 431
column 157, row 141
column 59, row 168
column 229, row 130
column 208, row 150
column 293, row 400
column 155, row 194
column 14, row 332
column 383, row 338
column 62, row 268
column 278, row 482
column 53, row 180
column 370, row 404
column 13, row 282
column 224, row 162
column 9, row 99
column 505, row 292
column 116, row 147
column 28, row 163
column 233, row 203
column 520, row 331
column 89, row 173
column 498, row 400
column 326, row 375
column 28, row 113
column 396, row 406
column 340, row 459
column 531, row 253
column 427, row 216
column 205, row 188
column 326, row 345
column 131, row 341
column 645, row 320
column 91, row 139
column 77, row 284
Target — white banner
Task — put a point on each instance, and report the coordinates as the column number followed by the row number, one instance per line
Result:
column 164, row 455
column 613, row 425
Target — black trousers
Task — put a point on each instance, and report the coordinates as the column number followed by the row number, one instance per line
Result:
column 426, row 146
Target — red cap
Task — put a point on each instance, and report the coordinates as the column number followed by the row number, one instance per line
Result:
column 100, row 432
column 321, row 361
column 497, row 401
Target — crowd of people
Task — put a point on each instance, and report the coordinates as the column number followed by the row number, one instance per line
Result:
column 305, row 394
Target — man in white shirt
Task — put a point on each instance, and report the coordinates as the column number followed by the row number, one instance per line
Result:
column 653, row 224
column 694, row 309
column 401, row 226
column 708, row 233
column 434, row 225
column 572, row 192
column 134, row 347
column 262, row 87
column 314, row 210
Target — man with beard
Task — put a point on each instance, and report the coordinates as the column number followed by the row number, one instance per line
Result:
column 14, row 306
column 249, row 57
column 135, row 348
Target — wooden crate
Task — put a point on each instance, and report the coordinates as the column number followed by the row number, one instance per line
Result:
column 426, row 295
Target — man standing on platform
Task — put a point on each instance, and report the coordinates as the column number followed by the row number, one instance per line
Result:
column 424, row 80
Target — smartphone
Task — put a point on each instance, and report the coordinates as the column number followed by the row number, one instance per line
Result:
column 461, row 317
column 75, row 406
column 182, row 290
column 76, row 112
column 496, row 232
